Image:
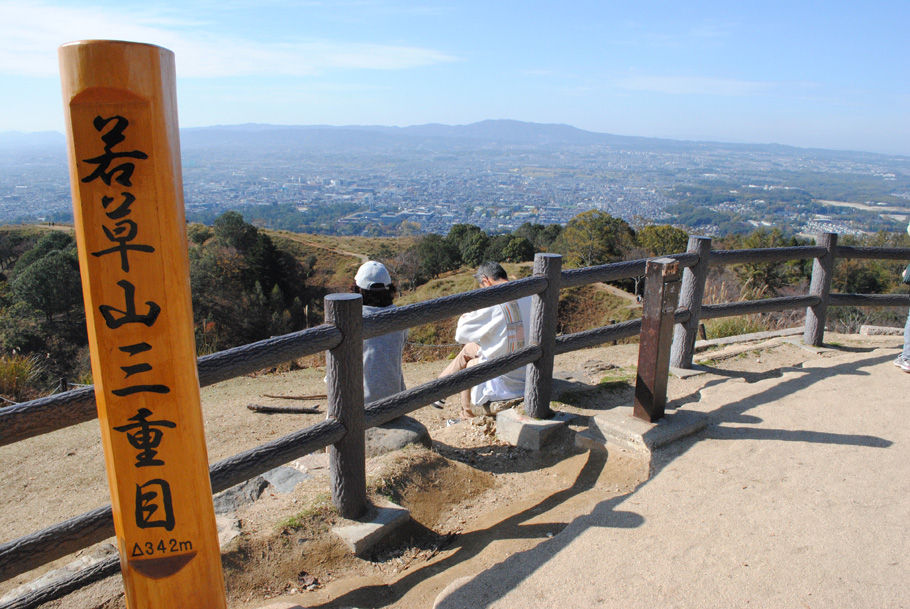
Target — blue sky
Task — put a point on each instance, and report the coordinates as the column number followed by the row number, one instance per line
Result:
column 814, row 74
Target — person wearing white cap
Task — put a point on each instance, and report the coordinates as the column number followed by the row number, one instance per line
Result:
column 382, row 374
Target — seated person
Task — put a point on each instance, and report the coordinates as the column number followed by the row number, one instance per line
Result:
column 491, row 332
column 382, row 374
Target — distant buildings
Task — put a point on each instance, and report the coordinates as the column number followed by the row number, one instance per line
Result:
column 498, row 187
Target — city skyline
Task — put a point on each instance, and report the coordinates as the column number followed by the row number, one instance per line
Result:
column 776, row 72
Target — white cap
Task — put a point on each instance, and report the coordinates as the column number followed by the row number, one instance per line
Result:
column 370, row 273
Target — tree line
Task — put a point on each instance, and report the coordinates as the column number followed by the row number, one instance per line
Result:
column 246, row 287
column 591, row 238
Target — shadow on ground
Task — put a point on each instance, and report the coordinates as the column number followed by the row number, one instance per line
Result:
column 469, row 545
column 495, row 582
column 730, row 422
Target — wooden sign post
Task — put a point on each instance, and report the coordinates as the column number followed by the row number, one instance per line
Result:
column 124, row 158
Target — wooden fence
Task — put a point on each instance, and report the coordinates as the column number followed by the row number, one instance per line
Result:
column 341, row 337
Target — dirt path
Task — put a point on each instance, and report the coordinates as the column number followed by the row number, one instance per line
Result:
column 612, row 289
column 301, row 238
column 474, row 501
column 796, row 495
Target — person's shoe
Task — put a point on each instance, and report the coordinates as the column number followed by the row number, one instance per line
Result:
column 900, row 359
column 440, row 404
column 904, row 365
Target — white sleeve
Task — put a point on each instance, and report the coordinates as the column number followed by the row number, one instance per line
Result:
column 473, row 326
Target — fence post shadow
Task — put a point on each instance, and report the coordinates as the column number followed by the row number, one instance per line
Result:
column 474, row 542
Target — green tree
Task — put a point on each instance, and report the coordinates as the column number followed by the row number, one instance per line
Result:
column 517, row 249
column 541, row 236
column 49, row 242
column 50, row 284
column 496, row 247
column 473, row 248
column 436, row 255
column 766, row 279
column 408, row 229
column 594, row 237
column 199, row 233
column 245, row 287
column 232, row 231
column 662, row 239
column 861, row 277
column 469, row 241
column 13, row 243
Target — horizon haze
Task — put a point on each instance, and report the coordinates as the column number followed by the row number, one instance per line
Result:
column 771, row 73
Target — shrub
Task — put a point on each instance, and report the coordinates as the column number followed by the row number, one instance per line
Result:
column 734, row 326
column 18, row 373
column 849, row 319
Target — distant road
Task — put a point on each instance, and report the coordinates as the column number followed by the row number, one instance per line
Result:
column 864, row 207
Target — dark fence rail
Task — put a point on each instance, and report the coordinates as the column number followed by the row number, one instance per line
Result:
column 764, row 305
column 55, row 412
column 384, row 410
column 400, row 318
column 598, row 336
column 617, row 270
column 867, row 300
column 765, row 255
column 871, row 253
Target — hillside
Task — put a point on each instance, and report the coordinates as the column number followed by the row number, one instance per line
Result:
column 249, row 283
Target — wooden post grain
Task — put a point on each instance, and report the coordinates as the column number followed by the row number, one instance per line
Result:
column 691, row 294
column 822, row 271
column 124, row 158
column 344, row 383
column 659, row 305
column 539, row 376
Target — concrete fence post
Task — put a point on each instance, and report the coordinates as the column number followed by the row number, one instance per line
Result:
column 539, row 379
column 661, row 295
column 344, row 386
column 691, row 295
column 822, row 270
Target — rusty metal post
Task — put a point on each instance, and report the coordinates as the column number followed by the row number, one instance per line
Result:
column 822, row 270
column 539, row 379
column 344, row 384
column 661, row 294
column 691, row 294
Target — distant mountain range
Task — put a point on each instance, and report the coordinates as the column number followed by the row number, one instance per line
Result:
column 40, row 139
column 495, row 133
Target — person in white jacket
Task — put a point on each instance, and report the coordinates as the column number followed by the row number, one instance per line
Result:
column 491, row 332
column 903, row 360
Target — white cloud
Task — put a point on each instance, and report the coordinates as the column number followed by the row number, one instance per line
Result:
column 695, row 85
column 31, row 32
